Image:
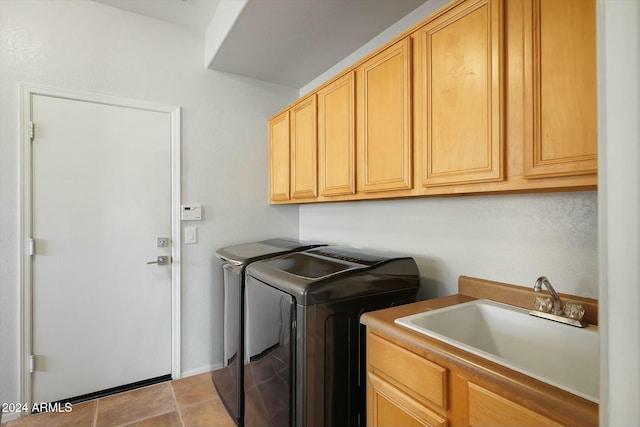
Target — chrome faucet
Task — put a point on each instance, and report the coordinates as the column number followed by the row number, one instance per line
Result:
column 557, row 305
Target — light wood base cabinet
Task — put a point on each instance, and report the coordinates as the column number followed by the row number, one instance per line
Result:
column 388, row 406
column 396, row 394
column 407, row 389
column 487, row 409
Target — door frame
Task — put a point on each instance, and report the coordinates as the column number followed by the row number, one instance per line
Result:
column 27, row 91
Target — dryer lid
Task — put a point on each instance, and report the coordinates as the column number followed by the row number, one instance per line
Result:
column 307, row 266
column 366, row 257
column 248, row 252
column 334, row 273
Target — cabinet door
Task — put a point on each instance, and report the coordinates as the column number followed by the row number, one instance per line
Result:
column 389, row 407
column 460, row 95
column 304, row 149
column 400, row 365
column 384, row 120
column 336, row 137
column 279, row 157
column 489, row 409
column 560, row 82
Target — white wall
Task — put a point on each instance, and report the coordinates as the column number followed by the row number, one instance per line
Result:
column 507, row 238
column 619, row 201
column 87, row 46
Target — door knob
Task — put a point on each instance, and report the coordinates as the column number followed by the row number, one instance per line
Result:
column 162, row 260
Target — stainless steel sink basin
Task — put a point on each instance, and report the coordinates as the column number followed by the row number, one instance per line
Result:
column 560, row 355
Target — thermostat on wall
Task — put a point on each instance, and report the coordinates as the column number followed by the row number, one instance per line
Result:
column 191, row 212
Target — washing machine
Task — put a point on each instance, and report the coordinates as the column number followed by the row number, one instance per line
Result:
column 304, row 359
column 229, row 379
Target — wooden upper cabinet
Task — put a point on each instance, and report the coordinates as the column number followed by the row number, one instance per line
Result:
column 304, row 148
column 481, row 96
column 279, row 158
column 458, row 95
column 384, row 120
column 336, row 137
column 560, row 88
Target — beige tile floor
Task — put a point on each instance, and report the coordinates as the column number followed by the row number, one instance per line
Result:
column 187, row 402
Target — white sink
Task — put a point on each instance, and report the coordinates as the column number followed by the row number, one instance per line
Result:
column 561, row 355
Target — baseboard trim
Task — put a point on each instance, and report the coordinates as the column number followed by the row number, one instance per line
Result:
column 201, row 370
column 5, row 417
column 107, row 392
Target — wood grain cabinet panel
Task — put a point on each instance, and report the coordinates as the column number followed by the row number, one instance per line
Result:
column 304, row 148
column 279, row 158
column 459, row 90
column 487, row 409
column 389, row 407
column 407, row 389
column 384, row 120
column 482, row 96
column 560, row 79
column 336, row 137
column 398, row 365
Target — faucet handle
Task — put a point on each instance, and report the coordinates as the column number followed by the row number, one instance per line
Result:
column 542, row 303
column 574, row 310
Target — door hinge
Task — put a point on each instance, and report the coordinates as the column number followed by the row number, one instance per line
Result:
column 32, row 131
column 32, row 363
column 32, row 246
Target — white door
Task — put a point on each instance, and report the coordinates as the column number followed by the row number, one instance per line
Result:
column 101, row 196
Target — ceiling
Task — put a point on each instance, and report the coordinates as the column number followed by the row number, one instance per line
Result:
column 288, row 42
column 194, row 14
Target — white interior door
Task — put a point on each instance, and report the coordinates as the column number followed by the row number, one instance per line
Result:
column 101, row 196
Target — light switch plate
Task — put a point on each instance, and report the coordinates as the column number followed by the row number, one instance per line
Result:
column 190, row 235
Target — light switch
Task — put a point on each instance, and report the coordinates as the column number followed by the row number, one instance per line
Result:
column 190, row 235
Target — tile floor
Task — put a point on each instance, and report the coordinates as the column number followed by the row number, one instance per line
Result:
column 187, row 402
